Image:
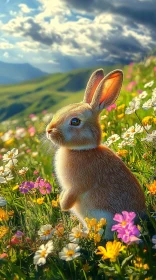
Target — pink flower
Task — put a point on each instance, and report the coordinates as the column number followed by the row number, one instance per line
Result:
column 31, row 116
column 32, row 130
column 154, row 68
column 129, row 234
column 15, row 240
column 3, row 256
column 28, row 150
column 36, row 172
column 111, row 107
column 125, row 228
column 43, row 186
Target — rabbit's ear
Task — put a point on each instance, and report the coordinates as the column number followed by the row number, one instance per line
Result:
column 92, row 84
column 108, row 90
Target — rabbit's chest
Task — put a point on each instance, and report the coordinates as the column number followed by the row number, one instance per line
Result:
column 65, row 169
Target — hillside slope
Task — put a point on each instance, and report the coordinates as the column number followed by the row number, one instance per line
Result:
column 57, row 90
column 11, row 73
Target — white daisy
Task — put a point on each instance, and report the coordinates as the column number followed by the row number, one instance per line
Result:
column 23, row 171
column 10, row 155
column 45, row 232
column 113, row 138
column 11, row 164
column 76, row 234
column 42, row 253
column 133, row 106
column 150, row 137
column 142, row 95
column 150, row 84
column 70, row 252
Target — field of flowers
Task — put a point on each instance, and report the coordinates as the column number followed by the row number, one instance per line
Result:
column 37, row 240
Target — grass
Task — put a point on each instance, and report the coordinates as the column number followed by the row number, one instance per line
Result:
column 25, row 216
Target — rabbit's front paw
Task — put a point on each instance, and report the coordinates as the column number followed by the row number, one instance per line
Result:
column 67, row 201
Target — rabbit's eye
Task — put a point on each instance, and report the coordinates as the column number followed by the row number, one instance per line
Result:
column 75, row 122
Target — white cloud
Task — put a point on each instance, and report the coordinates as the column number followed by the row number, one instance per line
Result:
column 6, row 55
column 53, row 61
column 6, row 45
column 24, row 8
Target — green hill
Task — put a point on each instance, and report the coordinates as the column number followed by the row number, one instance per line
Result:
column 52, row 92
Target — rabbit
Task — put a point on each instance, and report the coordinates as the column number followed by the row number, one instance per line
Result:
column 94, row 180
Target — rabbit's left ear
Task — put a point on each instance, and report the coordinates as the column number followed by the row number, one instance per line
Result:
column 108, row 90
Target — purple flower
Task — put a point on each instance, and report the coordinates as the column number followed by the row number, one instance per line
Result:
column 125, row 228
column 154, row 241
column 19, row 234
column 129, row 234
column 43, row 186
column 26, row 186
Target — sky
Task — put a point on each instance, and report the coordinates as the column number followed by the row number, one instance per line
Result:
column 61, row 35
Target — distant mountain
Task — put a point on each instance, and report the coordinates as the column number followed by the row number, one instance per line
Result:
column 11, row 73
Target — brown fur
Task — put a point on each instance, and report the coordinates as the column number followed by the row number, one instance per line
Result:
column 92, row 177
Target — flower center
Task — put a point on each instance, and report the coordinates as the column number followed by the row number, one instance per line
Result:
column 43, row 253
column 47, row 232
column 77, row 235
column 11, row 155
column 124, row 223
column 70, row 253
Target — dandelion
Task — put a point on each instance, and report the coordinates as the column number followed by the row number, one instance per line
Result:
column 133, row 106
column 3, row 231
column 26, row 186
column 122, row 153
column 3, row 202
column 70, row 252
column 10, row 155
column 42, row 253
column 3, row 215
column 45, row 232
column 40, row 200
column 152, row 188
column 111, row 251
column 147, row 120
column 121, row 107
column 149, row 84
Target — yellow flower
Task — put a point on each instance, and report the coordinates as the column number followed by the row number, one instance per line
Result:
column 147, row 120
column 102, row 126
column 40, row 200
column 54, row 203
column 121, row 107
column 139, row 264
column 1, row 134
column 11, row 213
column 104, row 134
column 122, row 153
column 3, row 215
column 134, row 94
column 15, row 187
column 120, row 116
column 9, row 142
column 86, row 267
column 152, row 187
column 154, row 120
column 111, row 251
column 97, row 238
column 3, row 231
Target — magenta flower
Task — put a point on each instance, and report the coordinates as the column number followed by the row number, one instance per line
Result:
column 19, row 234
column 125, row 228
column 129, row 234
column 43, row 186
column 26, row 186
column 124, row 219
column 111, row 107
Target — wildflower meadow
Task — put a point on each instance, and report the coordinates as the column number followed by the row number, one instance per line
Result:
column 37, row 239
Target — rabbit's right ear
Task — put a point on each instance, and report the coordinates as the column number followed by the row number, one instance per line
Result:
column 92, row 84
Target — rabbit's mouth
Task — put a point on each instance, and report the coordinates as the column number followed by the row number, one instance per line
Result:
column 55, row 136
